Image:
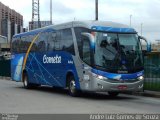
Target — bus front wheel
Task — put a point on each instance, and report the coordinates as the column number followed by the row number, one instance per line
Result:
column 72, row 87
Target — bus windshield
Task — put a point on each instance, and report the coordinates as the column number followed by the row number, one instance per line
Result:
column 118, row 53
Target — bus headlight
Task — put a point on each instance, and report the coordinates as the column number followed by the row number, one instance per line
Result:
column 141, row 78
column 99, row 77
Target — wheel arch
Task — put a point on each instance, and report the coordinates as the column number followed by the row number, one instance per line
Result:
column 76, row 78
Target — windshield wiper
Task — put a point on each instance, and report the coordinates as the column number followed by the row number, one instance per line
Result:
column 101, row 67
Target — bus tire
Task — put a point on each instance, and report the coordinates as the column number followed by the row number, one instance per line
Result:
column 113, row 94
column 72, row 87
column 26, row 83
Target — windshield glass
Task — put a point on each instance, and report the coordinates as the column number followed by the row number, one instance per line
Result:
column 118, row 53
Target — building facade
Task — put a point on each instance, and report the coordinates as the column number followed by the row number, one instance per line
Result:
column 42, row 24
column 11, row 22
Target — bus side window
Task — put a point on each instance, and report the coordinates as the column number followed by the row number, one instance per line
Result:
column 18, row 45
column 46, row 40
column 14, row 45
column 57, row 41
column 28, row 41
column 78, row 31
column 23, row 48
column 67, row 43
column 51, row 41
column 42, row 42
column 34, row 46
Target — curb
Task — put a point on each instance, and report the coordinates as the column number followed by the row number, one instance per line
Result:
column 5, row 78
column 148, row 93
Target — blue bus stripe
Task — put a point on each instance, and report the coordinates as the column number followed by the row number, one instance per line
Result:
column 48, row 72
column 113, row 29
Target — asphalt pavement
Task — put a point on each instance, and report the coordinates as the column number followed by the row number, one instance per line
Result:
column 46, row 100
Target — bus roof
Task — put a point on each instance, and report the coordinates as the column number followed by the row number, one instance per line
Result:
column 107, row 26
column 93, row 25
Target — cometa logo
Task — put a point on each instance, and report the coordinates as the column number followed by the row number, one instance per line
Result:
column 48, row 60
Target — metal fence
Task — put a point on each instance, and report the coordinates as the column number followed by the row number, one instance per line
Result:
column 152, row 71
column 5, row 66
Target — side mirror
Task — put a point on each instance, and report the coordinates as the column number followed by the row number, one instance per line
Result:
column 148, row 47
column 91, row 39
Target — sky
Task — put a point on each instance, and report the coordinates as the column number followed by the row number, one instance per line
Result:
column 143, row 12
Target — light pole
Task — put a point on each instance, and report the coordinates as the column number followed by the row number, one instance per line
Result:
column 51, row 11
column 141, row 29
column 130, row 20
column 96, row 10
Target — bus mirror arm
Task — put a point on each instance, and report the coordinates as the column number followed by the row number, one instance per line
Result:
column 148, row 46
column 90, row 37
column 143, row 38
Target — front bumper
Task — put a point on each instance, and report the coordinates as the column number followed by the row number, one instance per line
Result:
column 104, row 86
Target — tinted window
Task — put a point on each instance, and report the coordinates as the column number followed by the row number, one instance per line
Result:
column 86, row 51
column 41, row 42
column 28, row 42
column 23, row 45
column 14, row 45
column 78, row 31
column 51, row 41
column 57, row 40
column 67, row 43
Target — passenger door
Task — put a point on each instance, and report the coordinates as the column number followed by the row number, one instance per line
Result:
column 86, row 58
column 86, row 51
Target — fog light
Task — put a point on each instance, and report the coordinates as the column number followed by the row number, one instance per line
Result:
column 100, row 86
column 140, row 86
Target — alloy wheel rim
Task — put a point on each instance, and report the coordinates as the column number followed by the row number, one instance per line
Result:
column 72, row 86
column 25, row 82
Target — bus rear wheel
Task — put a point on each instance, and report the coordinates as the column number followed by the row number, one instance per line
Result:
column 113, row 94
column 26, row 83
column 72, row 87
